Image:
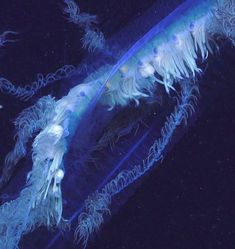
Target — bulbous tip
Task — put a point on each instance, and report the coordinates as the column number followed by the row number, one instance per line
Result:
column 155, row 51
column 191, row 26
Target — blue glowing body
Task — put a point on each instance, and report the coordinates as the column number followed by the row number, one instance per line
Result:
column 79, row 123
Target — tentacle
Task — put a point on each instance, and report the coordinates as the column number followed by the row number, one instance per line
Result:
column 4, row 37
column 97, row 205
column 29, row 121
column 26, row 92
column 93, row 38
column 225, row 14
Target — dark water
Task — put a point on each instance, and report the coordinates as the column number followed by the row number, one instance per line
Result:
column 188, row 202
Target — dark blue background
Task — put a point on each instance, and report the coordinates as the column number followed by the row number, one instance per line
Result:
column 188, row 202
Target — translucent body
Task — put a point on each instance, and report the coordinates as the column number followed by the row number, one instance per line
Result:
column 167, row 54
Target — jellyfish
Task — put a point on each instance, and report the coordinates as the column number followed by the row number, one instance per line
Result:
column 105, row 106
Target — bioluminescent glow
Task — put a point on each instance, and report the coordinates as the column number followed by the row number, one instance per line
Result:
column 169, row 54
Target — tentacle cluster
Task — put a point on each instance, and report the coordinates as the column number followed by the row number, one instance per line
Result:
column 97, row 205
column 25, row 213
column 93, row 38
column 167, row 63
column 164, row 61
column 225, row 14
column 29, row 121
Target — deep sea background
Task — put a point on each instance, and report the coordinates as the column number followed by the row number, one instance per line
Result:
column 189, row 200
